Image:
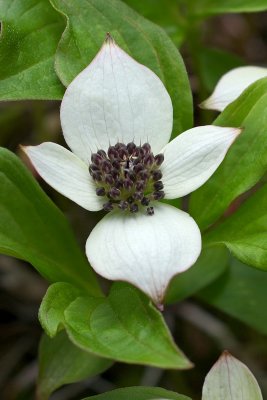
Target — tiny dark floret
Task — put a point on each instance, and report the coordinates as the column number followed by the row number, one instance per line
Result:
column 128, row 176
column 150, row 211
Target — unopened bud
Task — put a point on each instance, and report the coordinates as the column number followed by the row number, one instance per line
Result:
column 123, row 205
column 159, row 158
column 112, row 153
column 140, row 185
column 137, row 168
column 100, row 191
column 149, row 159
column 143, row 175
column 109, row 179
column 150, row 211
column 138, row 195
column 134, row 208
column 114, row 192
column 128, row 184
column 96, row 158
column 145, row 201
column 131, row 147
column 106, row 166
column 108, row 206
column 116, row 164
column 97, row 176
column 157, row 175
column 158, row 195
column 123, row 154
column 146, row 147
column 158, row 185
column 102, row 153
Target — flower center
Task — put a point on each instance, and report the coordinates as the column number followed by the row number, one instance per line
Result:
column 128, row 176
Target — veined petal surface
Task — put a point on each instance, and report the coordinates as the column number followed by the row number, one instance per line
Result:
column 192, row 157
column 231, row 85
column 66, row 173
column 115, row 99
column 146, row 251
column 230, row 379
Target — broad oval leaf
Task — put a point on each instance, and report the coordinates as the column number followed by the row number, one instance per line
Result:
column 24, row 73
column 87, row 24
column 246, row 161
column 241, row 293
column 125, row 327
column 60, row 363
column 34, row 230
column 245, row 231
column 139, row 393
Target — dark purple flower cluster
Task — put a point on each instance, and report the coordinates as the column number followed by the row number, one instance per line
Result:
column 129, row 176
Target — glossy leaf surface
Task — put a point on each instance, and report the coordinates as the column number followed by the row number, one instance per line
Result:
column 241, row 293
column 60, row 363
column 245, row 231
column 24, row 73
column 33, row 229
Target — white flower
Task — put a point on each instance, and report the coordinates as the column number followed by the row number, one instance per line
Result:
column 231, row 85
column 109, row 114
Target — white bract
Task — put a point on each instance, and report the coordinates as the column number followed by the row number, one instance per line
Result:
column 117, row 119
column 231, row 85
column 230, row 379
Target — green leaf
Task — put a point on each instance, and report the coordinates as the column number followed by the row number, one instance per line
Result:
column 241, row 293
column 139, row 393
column 60, row 363
column 167, row 14
column 245, row 231
column 30, row 33
column 230, row 379
column 88, row 22
column 34, row 230
column 246, row 161
column 210, row 265
column 57, row 298
column 202, row 8
column 125, row 327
